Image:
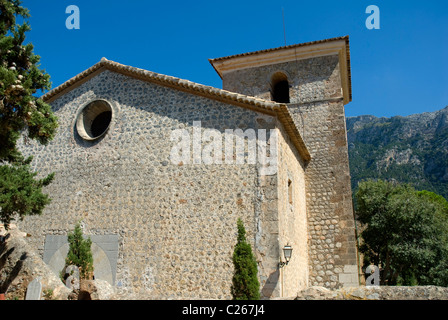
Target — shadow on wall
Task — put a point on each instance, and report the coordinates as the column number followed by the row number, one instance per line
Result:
column 271, row 284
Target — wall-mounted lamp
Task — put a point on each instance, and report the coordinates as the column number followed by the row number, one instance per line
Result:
column 287, row 252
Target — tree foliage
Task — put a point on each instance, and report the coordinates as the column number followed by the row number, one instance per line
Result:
column 21, row 114
column 80, row 252
column 411, row 149
column 20, row 193
column 405, row 232
column 245, row 284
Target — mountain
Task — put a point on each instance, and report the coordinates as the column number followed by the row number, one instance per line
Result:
column 411, row 149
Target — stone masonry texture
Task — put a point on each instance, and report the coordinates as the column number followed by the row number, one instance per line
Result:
column 170, row 227
column 175, row 222
column 317, row 106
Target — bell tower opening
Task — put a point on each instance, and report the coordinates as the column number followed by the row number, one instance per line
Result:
column 279, row 88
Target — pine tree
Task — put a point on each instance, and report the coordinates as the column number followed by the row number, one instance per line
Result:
column 21, row 113
column 80, row 253
column 245, row 284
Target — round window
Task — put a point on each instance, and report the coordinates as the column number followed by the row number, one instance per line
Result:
column 94, row 120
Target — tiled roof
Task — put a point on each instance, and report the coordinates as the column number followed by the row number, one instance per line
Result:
column 215, row 61
column 346, row 38
column 260, row 105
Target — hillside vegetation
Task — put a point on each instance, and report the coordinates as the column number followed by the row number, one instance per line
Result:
column 411, row 149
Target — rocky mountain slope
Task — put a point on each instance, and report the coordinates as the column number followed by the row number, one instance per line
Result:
column 411, row 149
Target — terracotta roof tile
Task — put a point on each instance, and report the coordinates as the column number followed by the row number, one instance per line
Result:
column 346, row 38
column 260, row 105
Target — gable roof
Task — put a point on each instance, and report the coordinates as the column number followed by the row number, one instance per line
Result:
column 256, row 104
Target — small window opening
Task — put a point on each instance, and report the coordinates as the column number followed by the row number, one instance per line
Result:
column 94, row 120
column 289, row 191
column 280, row 88
column 101, row 123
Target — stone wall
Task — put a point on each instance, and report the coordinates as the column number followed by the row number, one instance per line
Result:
column 284, row 222
column 318, row 109
column 374, row 293
column 175, row 223
column 309, row 79
column 293, row 217
column 333, row 256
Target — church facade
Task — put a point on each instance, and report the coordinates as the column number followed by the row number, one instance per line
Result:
column 158, row 170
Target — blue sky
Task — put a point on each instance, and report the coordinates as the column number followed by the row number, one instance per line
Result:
column 400, row 69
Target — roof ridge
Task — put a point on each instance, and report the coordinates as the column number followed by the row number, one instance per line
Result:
column 159, row 77
column 346, row 38
column 257, row 104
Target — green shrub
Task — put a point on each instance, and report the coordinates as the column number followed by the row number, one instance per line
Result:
column 80, row 253
column 245, row 284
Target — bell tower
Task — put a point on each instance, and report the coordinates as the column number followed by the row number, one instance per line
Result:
column 314, row 80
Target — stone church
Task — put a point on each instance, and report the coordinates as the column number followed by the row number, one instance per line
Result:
column 150, row 165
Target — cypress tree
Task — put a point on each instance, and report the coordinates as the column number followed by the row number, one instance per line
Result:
column 80, row 253
column 245, row 284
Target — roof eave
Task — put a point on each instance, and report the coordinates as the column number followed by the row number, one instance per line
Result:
column 294, row 52
column 255, row 104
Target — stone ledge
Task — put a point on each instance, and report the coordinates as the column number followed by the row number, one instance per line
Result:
column 375, row 293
